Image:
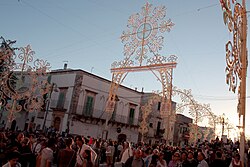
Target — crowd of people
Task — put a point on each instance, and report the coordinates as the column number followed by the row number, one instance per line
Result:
column 22, row 149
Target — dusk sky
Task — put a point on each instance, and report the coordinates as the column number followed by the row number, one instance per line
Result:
column 86, row 34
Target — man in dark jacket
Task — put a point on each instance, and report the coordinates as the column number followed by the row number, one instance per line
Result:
column 136, row 160
column 218, row 162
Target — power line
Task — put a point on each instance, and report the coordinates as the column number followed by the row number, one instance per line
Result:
column 56, row 20
column 206, row 7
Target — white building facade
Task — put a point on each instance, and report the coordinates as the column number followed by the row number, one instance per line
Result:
column 157, row 130
column 77, row 106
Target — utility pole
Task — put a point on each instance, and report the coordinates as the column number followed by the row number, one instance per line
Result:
column 47, row 106
column 243, row 81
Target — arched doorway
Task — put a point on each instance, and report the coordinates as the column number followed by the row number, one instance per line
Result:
column 57, row 122
column 13, row 125
column 122, row 137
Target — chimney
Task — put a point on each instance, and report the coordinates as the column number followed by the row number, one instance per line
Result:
column 142, row 90
column 65, row 66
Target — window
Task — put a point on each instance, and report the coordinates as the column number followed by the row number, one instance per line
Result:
column 131, row 116
column 114, row 112
column 158, row 128
column 159, row 106
column 61, row 98
column 89, row 103
column 151, row 125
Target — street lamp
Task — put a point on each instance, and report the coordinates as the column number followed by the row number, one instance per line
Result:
column 222, row 122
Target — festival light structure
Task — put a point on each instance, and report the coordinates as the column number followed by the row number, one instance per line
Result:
column 23, row 80
column 234, row 15
column 141, row 52
column 196, row 110
column 146, row 110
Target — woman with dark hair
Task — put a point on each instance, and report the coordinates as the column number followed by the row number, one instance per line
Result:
column 154, row 160
column 161, row 162
column 67, row 156
column 176, row 160
column 13, row 159
column 25, row 152
column 201, row 158
column 81, row 148
column 110, row 153
column 87, row 159
column 236, row 162
column 184, row 161
column 47, row 154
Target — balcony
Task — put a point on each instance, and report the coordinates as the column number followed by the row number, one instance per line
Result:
column 186, row 135
column 101, row 115
column 85, row 113
column 159, row 133
column 55, row 105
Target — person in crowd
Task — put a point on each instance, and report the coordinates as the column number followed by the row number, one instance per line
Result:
column 236, row 162
column 167, row 154
column 154, row 158
column 191, row 161
column 47, row 154
column 87, row 161
column 39, row 155
column 184, row 161
column 135, row 160
column 3, row 147
column 67, row 156
column 218, row 162
column 25, row 152
column 161, row 162
column 35, row 147
column 176, row 160
column 126, row 152
column 16, row 143
column 81, row 148
column 201, row 158
column 110, row 153
column 147, row 157
column 97, row 149
column 119, row 151
column 13, row 159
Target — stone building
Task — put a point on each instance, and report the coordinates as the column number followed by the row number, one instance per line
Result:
column 182, row 130
column 156, row 128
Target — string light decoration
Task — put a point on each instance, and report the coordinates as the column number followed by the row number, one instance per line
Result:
column 146, row 110
column 141, row 53
column 202, row 133
column 196, row 110
column 24, row 80
column 141, row 36
column 234, row 15
column 234, row 21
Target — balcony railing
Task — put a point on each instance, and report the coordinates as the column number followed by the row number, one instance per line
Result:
column 94, row 113
column 40, row 114
column 101, row 114
column 62, row 106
